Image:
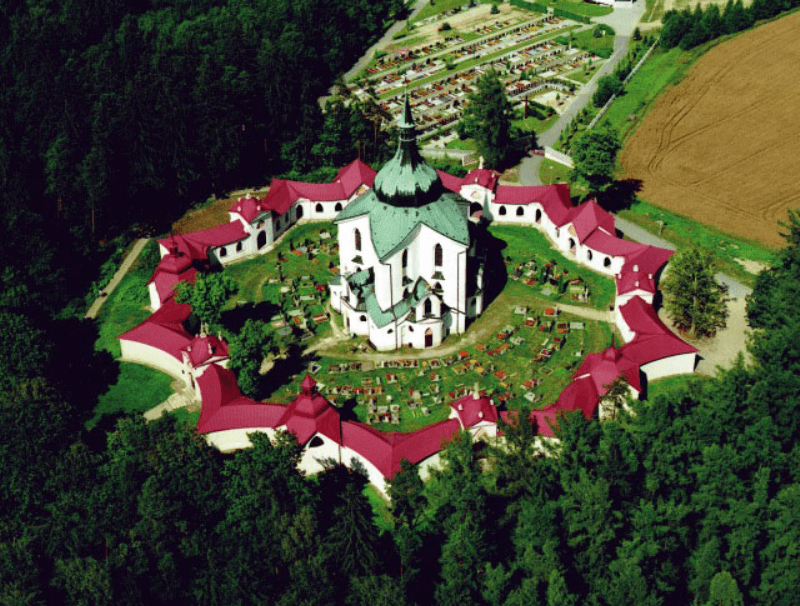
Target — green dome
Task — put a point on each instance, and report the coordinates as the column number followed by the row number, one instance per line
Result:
column 407, row 179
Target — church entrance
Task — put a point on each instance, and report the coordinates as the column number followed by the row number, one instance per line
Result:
column 261, row 241
column 429, row 338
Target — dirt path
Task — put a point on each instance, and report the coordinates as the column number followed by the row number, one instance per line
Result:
column 120, row 273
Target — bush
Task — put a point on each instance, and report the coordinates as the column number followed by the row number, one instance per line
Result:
column 495, row 9
column 607, row 87
column 445, row 27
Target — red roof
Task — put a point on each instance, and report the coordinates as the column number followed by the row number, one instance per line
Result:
column 282, row 193
column 589, row 217
column 653, row 340
column 225, row 408
column 248, row 208
column 555, row 199
column 611, row 245
column 604, row 367
column 578, row 395
column 481, row 176
column 473, row 410
column 450, row 182
column 385, row 450
column 641, row 268
column 202, row 349
column 310, row 413
column 164, row 329
column 195, row 245
column 172, row 268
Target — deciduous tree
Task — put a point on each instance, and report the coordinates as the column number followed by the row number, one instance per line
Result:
column 595, row 158
column 207, row 295
column 487, row 119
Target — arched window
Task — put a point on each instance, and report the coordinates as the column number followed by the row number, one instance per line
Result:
column 338, row 207
column 318, row 207
column 406, row 292
column 428, row 309
column 404, row 259
column 362, row 318
column 589, row 255
column 299, row 211
column 538, row 217
column 437, row 286
column 223, row 252
column 316, row 442
column 502, row 211
column 606, row 262
column 238, row 247
column 437, row 255
column 520, row 211
column 357, row 236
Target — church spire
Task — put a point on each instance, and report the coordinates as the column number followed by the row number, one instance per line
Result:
column 407, row 179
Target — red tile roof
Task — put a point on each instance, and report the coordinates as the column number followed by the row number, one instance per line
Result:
column 611, row 245
column 589, row 217
column 164, row 329
column 450, row 182
column 385, row 450
column 554, row 199
column 641, row 268
column 195, row 245
column 581, row 395
column 473, row 410
column 172, row 268
column 481, row 176
column 653, row 340
column 203, row 349
column 606, row 366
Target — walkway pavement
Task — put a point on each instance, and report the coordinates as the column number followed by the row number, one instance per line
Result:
column 120, row 273
column 623, row 20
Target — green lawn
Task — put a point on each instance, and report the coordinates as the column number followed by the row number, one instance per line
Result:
column 602, row 46
column 536, row 125
column 382, row 515
column 662, row 69
column 683, row 231
column 661, row 387
column 526, row 243
column 579, row 7
column 137, row 390
column 468, row 144
column 440, row 6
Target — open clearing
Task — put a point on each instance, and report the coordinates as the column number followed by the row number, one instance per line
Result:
column 721, row 146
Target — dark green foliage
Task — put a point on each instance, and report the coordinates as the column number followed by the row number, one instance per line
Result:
column 207, row 294
column 595, row 157
column 487, row 119
column 607, row 87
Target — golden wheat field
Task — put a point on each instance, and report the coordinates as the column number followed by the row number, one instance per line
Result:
column 723, row 145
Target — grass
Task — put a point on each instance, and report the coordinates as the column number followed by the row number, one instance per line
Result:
column 585, row 73
column 602, row 46
column 525, row 243
column 468, row 144
column 579, row 7
column 380, row 508
column 441, row 6
column 531, row 123
column 126, row 307
column 137, row 389
column 554, row 172
column 669, row 385
column 683, row 231
column 654, row 11
column 662, row 69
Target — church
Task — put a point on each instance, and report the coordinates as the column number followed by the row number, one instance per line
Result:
column 411, row 268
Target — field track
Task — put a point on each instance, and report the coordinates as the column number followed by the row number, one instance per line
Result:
column 723, row 146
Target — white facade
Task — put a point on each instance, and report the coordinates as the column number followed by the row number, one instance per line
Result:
column 682, row 364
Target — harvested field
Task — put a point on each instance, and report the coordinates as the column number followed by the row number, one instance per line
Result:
column 723, row 146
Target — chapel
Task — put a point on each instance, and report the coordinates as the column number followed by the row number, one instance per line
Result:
column 411, row 268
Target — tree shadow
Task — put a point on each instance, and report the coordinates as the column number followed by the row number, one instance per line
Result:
column 234, row 319
column 347, row 411
column 620, row 195
column 494, row 270
column 82, row 372
column 294, row 363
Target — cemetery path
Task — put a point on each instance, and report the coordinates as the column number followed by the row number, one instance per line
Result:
column 479, row 335
column 120, row 273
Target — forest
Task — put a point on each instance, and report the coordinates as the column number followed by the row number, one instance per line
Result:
column 120, row 113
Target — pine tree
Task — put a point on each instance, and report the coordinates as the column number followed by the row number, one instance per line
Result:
column 693, row 298
column 487, row 119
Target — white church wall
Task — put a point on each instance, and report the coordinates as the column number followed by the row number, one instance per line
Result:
column 310, row 461
column 133, row 351
column 231, row 440
column 674, row 365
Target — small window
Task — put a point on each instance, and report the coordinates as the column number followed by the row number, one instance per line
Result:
column 390, row 331
column 606, row 262
column 437, row 286
column 406, row 292
column 318, row 207
column 410, row 329
column 520, row 211
column 357, row 238
column 338, row 207
column 502, row 211
column 316, row 442
column 538, row 216
column 428, row 307
column 437, row 255
column 405, row 259
column 362, row 318
column 589, row 255
column 238, row 247
column 299, row 211
column 223, row 252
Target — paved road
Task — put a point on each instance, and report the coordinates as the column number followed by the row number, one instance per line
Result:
column 623, row 20
column 120, row 273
